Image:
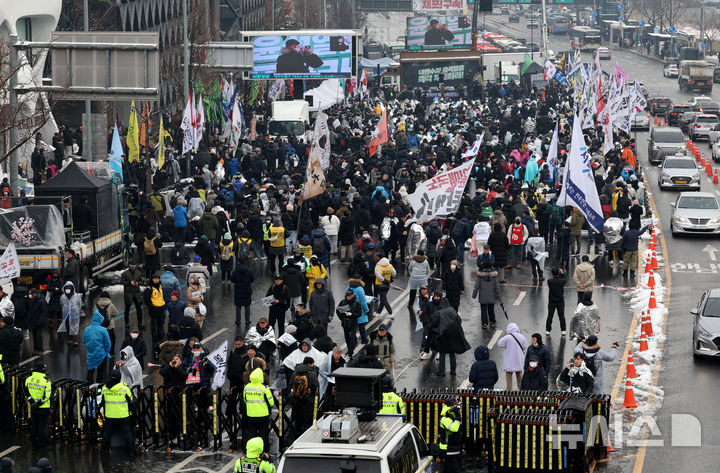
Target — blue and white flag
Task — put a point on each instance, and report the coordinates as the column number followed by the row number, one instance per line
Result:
column 116, row 153
column 552, row 158
column 473, row 151
column 578, row 187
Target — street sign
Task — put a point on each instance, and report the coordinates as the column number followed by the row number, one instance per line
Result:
column 702, row 45
column 621, row 18
column 672, row 30
column 642, row 23
column 621, row 7
column 656, row 30
column 594, row 14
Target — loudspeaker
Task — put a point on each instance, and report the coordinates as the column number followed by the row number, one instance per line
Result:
column 484, row 5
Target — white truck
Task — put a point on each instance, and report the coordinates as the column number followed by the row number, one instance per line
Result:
column 290, row 118
column 696, row 75
column 507, row 71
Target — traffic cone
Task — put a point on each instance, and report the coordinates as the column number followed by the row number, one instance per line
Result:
column 708, row 168
column 629, row 401
column 651, row 245
column 631, row 373
column 648, row 263
column 702, row 161
column 715, row 177
column 656, row 122
column 654, row 260
column 652, row 304
column 653, row 239
column 647, row 327
column 643, row 342
column 651, row 280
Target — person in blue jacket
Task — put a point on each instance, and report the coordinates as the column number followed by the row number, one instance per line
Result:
column 483, row 373
column 180, row 221
column 357, row 286
column 169, row 282
column 234, row 166
column 381, row 190
column 97, row 347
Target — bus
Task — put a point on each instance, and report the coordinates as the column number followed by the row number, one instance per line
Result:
column 558, row 24
column 585, row 38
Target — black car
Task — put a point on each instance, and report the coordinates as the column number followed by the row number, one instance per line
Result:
column 672, row 116
column 514, row 18
column 534, row 47
column 660, row 105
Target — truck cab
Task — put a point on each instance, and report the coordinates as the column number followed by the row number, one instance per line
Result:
column 391, row 79
column 507, row 71
column 290, row 117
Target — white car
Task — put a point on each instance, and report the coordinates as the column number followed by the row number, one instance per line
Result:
column 670, row 70
column 603, row 52
column 533, row 23
column 640, row 122
column 715, row 150
column 699, row 100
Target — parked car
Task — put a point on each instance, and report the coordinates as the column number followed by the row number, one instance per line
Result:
column 670, row 70
column 706, row 324
column 534, row 47
column 660, row 105
column 673, row 116
column 679, row 172
column 695, row 212
column 665, row 141
column 686, row 119
column 701, row 125
column 514, row 18
column 604, row 53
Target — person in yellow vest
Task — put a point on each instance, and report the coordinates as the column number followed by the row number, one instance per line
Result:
column 450, row 441
column 266, row 234
column 258, row 400
column 384, row 274
column 313, row 272
column 277, row 245
column 391, row 403
column 5, row 411
column 255, row 459
column 117, row 402
column 38, row 390
column 155, row 302
column 305, row 247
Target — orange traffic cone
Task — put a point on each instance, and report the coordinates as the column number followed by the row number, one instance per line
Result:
column 651, row 280
column 652, row 304
column 708, row 168
column 653, row 239
column 702, row 161
column 648, row 263
column 631, row 373
column 629, row 402
column 656, row 122
column 651, row 245
column 643, row 342
column 654, row 260
column 647, row 327
column 715, row 177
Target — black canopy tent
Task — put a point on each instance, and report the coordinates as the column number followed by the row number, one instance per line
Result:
column 101, row 195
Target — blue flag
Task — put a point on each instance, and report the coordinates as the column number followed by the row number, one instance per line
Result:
column 116, row 153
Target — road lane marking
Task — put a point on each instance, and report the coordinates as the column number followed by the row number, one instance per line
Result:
column 494, row 339
column 519, row 298
column 10, row 450
column 32, row 358
column 210, row 337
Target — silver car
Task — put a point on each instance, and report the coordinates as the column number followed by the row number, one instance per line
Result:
column 706, row 324
column 695, row 212
column 668, row 140
column 702, row 124
column 679, row 172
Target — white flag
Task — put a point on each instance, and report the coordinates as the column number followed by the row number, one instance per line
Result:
column 552, row 158
column 440, row 195
column 473, row 151
column 277, row 90
column 321, row 139
column 578, row 187
column 236, row 124
column 9, row 264
column 608, row 132
column 187, row 127
column 219, row 359
column 199, row 123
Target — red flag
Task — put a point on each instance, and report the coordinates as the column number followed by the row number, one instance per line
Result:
column 601, row 100
column 380, row 135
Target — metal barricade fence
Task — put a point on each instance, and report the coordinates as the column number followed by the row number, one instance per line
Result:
column 188, row 418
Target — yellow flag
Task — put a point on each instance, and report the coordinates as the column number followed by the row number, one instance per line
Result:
column 161, row 146
column 133, row 143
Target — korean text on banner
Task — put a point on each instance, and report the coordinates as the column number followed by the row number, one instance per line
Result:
column 133, row 140
column 441, row 195
column 219, row 359
column 9, row 264
column 438, row 5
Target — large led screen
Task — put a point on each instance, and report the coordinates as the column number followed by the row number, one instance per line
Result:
column 439, row 32
column 302, row 57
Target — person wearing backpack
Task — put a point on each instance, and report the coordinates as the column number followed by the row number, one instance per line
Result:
column 108, row 310
column 594, row 358
column 321, row 247
column 303, row 386
column 245, row 246
column 151, row 250
column 515, row 345
column 226, row 257
column 433, row 233
column 156, row 307
column 179, row 255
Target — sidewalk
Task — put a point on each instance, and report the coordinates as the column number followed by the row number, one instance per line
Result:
column 639, row 53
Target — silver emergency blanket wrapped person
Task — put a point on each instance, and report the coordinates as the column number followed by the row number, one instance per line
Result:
column 586, row 319
column 612, row 231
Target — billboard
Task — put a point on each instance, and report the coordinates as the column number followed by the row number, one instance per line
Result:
column 427, row 74
column 439, row 6
column 439, row 32
column 311, row 56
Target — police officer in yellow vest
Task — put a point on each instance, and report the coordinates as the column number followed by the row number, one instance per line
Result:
column 258, row 400
column 450, row 441
column 255, row 460
column 117, row 400
column 38, row 390
column 5, row 411
column 391, row 403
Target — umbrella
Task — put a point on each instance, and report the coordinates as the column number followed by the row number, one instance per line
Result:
column 383, row 62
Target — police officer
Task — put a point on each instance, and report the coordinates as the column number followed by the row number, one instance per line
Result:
column 450, row 435
column 258, row 400
column 38, row 390
column 254, row 460
column 391, row 403
column 5, row 411
column 117, row 400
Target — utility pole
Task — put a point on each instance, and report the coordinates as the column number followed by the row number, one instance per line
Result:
column 352, row 5
column 12, row 168
column 702, row 27
column 544, row 32
column 88, row 152
column 186, row 72
column 476, row 9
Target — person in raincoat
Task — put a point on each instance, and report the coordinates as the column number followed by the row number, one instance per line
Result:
column 315, row 271
column 255, row 459
column 449, row 337
column 71, row 312
column 97, row 347
column 515, row 345
column 130, row 368
column 586, row 318
column 531, row 170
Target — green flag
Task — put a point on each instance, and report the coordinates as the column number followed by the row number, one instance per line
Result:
column 526, row 64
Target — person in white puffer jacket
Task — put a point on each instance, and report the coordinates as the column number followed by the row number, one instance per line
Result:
column 331, row 226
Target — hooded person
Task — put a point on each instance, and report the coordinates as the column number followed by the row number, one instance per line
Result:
column 255, row 458
column 97, row 346
column 538, row 349
column 534, row 377
column 590, row 349
column 307, row 350
column 483, row 372
column 262, row 336
column 357, row 286
column 134, row 340
column 130, row 368
column 253, row 364
column 586, row 319
column 321, row 303
column 71, row 313
column 316, row 270
column 515, row 345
